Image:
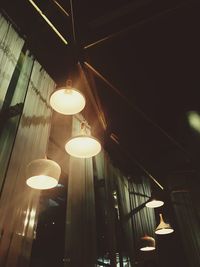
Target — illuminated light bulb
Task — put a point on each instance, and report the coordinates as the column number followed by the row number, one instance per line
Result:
column 43, row 174
column 147, row 243
column 154, row 203
column 68, row 100
column 163, row 228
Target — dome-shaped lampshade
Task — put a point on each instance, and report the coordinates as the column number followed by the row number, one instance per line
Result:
column 67, row 101
column 83, row 146
column 147, row 243
column 42, row 174
column 154, row 203
column 163, row 228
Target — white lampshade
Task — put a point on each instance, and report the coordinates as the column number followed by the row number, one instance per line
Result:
column 68, row 100
column 163, row 228
column 43, row 174
column 83, row 146
column 154, row 203
column 147, row 243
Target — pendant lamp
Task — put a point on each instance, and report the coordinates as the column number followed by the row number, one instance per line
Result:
column 147, row 243
column 83, row 145
column 163, row 228
column 68, row 100
column 154, row 203
column 42, row 174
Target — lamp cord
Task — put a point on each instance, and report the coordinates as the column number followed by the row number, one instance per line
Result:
column 73, row 21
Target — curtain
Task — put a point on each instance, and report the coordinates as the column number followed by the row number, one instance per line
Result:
column 10, row 47
column 19, row 203
column 125, row 214
column 188, row 219
column 143, row 218
column 80, row 222
column 138, row 219
column 106, row 223
column 10, row 124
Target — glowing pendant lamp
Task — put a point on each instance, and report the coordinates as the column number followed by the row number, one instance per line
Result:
column 83, row 145
column 163, row 228
column 67, row 101
column 43, row 174
column 147, row 243
column 154, row 203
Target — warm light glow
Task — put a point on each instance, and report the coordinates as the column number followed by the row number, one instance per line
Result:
column 67, row 101
column 148, row 243
column 194, row 120
column 147, row 248
column 164, row 231
column 41, row 182
column 163, row 228
column 83, row 146
column 154, row 203
column 43, row 174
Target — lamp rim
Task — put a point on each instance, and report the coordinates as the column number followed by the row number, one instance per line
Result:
column 154, row 200
column 83, row 135
column 30, row 182
column 164, row 228
column 147, row 248
column 75, row 139
column 43, row 159
column 65, row 88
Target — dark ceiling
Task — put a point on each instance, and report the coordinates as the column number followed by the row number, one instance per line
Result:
column 149, row 51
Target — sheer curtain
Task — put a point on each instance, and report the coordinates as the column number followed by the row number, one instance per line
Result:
column 187, row 214
column 9, row 127
column 10, row 47
column 138, row 219
column 143, row 218
column 19, row 203
column 80, row 221
column 125, row 214
column 105, row 187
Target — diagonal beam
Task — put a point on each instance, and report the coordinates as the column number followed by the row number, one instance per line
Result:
column 61, row 8
column 48, row 21
column 131, row 27
column 137, row 109
column 137, row 163
column 94, row 98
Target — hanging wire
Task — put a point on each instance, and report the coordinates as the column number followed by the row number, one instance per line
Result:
column 73, row 21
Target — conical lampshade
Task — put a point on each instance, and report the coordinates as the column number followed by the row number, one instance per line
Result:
column 163, row 228
column 154, row 203
column 147, row 243
column 42, row 174
column 68, row 100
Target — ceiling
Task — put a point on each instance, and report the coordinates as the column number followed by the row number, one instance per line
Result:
column 149, row 51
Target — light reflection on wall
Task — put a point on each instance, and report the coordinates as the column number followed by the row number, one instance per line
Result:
column 32, row 218
column 26, row 220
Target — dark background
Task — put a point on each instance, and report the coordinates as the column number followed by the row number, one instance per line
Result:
column 152, row 56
